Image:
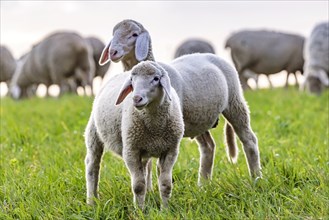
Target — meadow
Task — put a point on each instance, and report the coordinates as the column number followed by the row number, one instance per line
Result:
column 42, row 165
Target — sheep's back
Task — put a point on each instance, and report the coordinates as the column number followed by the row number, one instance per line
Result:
column 205, row 91
column 7, row 64
column 267, row 52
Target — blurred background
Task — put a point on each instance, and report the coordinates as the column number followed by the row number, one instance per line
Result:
column 24, row 23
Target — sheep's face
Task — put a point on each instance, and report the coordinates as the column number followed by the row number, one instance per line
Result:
column 316, row 80
column 128, row 36
column 148, row 84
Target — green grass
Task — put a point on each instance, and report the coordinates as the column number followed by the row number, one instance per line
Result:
column 42, row 165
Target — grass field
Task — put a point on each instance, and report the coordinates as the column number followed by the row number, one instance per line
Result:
column 42, row 165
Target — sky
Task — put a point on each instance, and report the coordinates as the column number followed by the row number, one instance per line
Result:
column 24, row 23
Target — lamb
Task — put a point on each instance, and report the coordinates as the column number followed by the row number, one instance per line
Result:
column 316, row 56
column 206, row 86
column 194, row 46
column 130, row 47
column 148, row 123
column 56, row 58
column 7, row 64
column 266, row 52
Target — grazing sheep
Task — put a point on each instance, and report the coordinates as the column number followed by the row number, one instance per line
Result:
column 316, row 56
column 194, row 46
column 97, row 47
column 148, row 123
column 266, row 52
column 56, row 58
column 7, row 64
column 197, row 123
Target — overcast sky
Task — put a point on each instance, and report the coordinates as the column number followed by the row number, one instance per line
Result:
column 24, row 23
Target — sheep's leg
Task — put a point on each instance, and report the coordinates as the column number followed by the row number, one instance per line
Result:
column 238, row 116
column 136, row 168
column 92, row 162
column 207, row 152
column 165, row 166
column 147, row 164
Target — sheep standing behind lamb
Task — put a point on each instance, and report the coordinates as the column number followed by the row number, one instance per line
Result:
column 7, row 64
column 148, row 123
column 58, row 57
column 266, row 52
column 316, row 54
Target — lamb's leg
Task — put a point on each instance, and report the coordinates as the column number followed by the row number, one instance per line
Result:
column 138, row 182
column 207, row 153
column 148, row 173
column 165, row 166
column 92, row 161
column 238, row 116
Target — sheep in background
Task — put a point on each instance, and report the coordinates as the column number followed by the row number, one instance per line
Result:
column 194, row 46
column 266, row 52
column 56, row 58
column 7, row 64
column 316, row 56
column 97, row 47
column 148, row 123
column 197, row 124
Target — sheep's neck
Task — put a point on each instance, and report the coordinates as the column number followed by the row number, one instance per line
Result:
column 131, row 61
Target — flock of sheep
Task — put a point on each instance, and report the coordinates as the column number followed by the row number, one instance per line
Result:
column 70, row 60
column 147, row 110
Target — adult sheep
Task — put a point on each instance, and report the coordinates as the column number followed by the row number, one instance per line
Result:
column 316, row 55
column 7, row 64
column 266, row 52
column 58, row 57
column 194, row 46
column 148, row 123
column 97, row 47
column 206, row 86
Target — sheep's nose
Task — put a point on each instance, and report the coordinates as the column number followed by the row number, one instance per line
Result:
column 137, row 99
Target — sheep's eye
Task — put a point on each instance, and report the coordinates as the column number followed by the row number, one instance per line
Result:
column 135, row 35
column 156, row 79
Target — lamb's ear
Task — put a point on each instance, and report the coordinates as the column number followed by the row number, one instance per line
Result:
column 165, row 83
column 142, row 46
column 125, row 90
column 105, row 58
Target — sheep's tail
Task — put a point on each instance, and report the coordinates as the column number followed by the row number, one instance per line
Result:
column 231, row 148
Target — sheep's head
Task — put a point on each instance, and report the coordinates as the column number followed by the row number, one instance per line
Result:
column 316, row 80
column 130, row 41
column 148, row 82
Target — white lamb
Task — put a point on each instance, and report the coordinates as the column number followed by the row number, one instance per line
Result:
column 148, row 123
column 206, row 85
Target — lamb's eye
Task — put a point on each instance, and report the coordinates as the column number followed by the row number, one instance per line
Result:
column 135, row 35
column 156, row 79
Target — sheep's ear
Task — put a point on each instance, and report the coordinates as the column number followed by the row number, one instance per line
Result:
column 125, row 90
column 142, row 46
column 105, row 58
column 165, row 83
